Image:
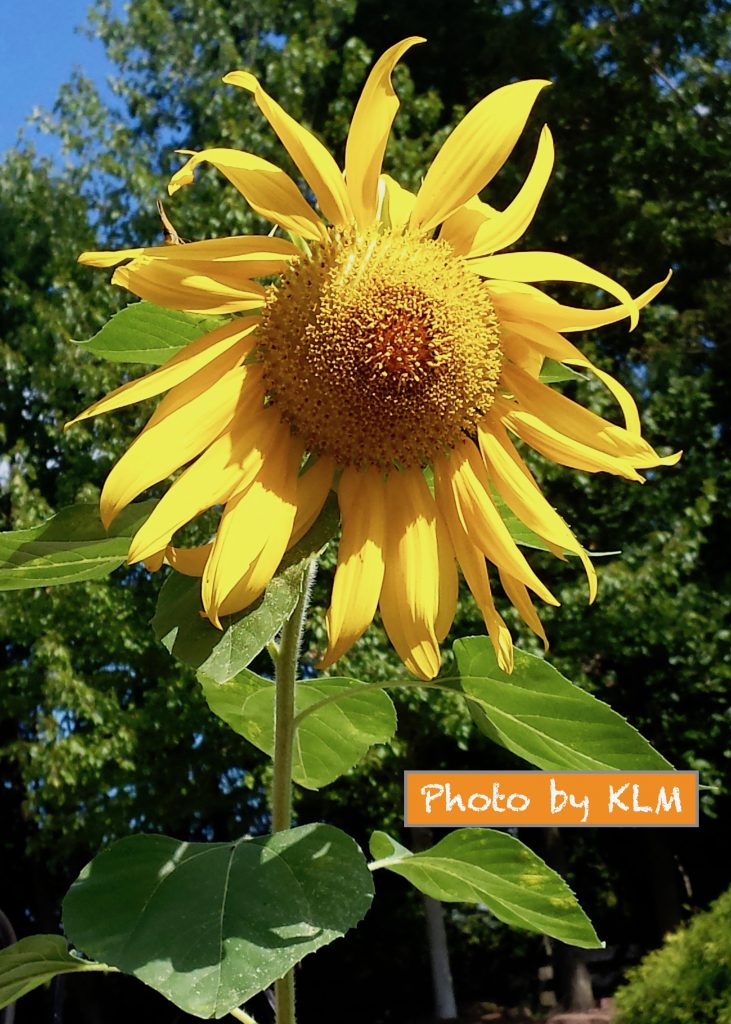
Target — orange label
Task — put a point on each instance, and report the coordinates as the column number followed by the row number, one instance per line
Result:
column 550, row 798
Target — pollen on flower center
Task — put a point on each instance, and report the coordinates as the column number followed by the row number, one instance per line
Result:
column 380, row 349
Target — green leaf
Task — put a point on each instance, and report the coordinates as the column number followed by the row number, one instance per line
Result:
column 145, row 333
column 553, row 372
column 34, row 961
column 209, row 925
column 485, row 866
column 329, row 740
column 541, row 716
column 70, row 546
column 218, row 655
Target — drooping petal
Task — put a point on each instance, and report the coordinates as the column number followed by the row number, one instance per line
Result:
column 236, row 336
column 189, row 561
column 519, row 597
column 317, row 166
column 227, row 467
column 472, row 563
column 448, row 581
column 410, row 595
column 188, row 419
column 573, row 420
column 551, row 266
column 266, row 188
column 515, row 484
column 188, row 287
column 361, row 560
column 369, row 131
column 559, row 448
column 482, row 521
column 254, row 531
column 477, row 232
column 397, row 204
column 254, row 255
column 313, row 487
column 474, row 152
column 515, row 303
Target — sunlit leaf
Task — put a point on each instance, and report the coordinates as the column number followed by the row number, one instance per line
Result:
column 209, row 925
column 492, row 868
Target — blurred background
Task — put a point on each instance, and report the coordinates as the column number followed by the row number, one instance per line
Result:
column 102, row 734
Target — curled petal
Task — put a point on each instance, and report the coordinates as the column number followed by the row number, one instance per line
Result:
column 551, row 266
column 369, row 131
column 317, row 166
column 477, row 232
column 266, row 188
column 474, row 152
column 188, row 287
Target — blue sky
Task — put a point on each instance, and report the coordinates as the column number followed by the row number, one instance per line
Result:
column 38, row 50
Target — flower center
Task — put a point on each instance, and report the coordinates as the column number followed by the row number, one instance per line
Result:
column 380, row 349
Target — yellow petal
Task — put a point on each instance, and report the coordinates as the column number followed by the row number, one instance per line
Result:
column 448, row 581
column 482, row 521
column 317, row 166
column 187, row 287
column 472, row 563
column 266, row 188
column 189, row 561
column 516, row 304
column 573, row 420
column 410, row 595
column 313, row 487
column 359, row 574
column 472, row 233
column 369, row 131
column 515, row 484
column 558, row 447
column 253, row 532
column 255, row 255
column 227, row 467
column 551, row 266
column 519, row 597
column 237, row 336
column 188, row 419
column 474, row 152
column 398, row 203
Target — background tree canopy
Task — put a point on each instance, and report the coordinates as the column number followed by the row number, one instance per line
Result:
column 101, row 733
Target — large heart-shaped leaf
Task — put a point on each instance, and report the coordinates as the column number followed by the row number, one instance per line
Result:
column 220, row 655
column 36, row 960
column 70, row 546
column 541, row 716
column 330, row 738
column 485, row 866
column 211, row 924
column 145, row 333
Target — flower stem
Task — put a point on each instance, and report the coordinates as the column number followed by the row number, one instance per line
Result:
column 286, row 676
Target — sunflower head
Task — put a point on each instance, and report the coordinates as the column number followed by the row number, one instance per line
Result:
column 397, row 342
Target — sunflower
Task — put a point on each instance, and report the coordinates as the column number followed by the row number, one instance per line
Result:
column 396, row 358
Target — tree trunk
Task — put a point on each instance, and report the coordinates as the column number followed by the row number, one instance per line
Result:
column 572, row 974
column 445, row 1007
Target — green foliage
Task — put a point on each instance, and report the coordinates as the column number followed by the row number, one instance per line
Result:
column 338, row 720
column 35, row 961
column 71, row 546
column 687, row 980
column 145, row 333
column 211, row 924
column 542, row 717
column 220, row 655
column 494, row 868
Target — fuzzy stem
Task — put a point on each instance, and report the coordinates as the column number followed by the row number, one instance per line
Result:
column 286, row 676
